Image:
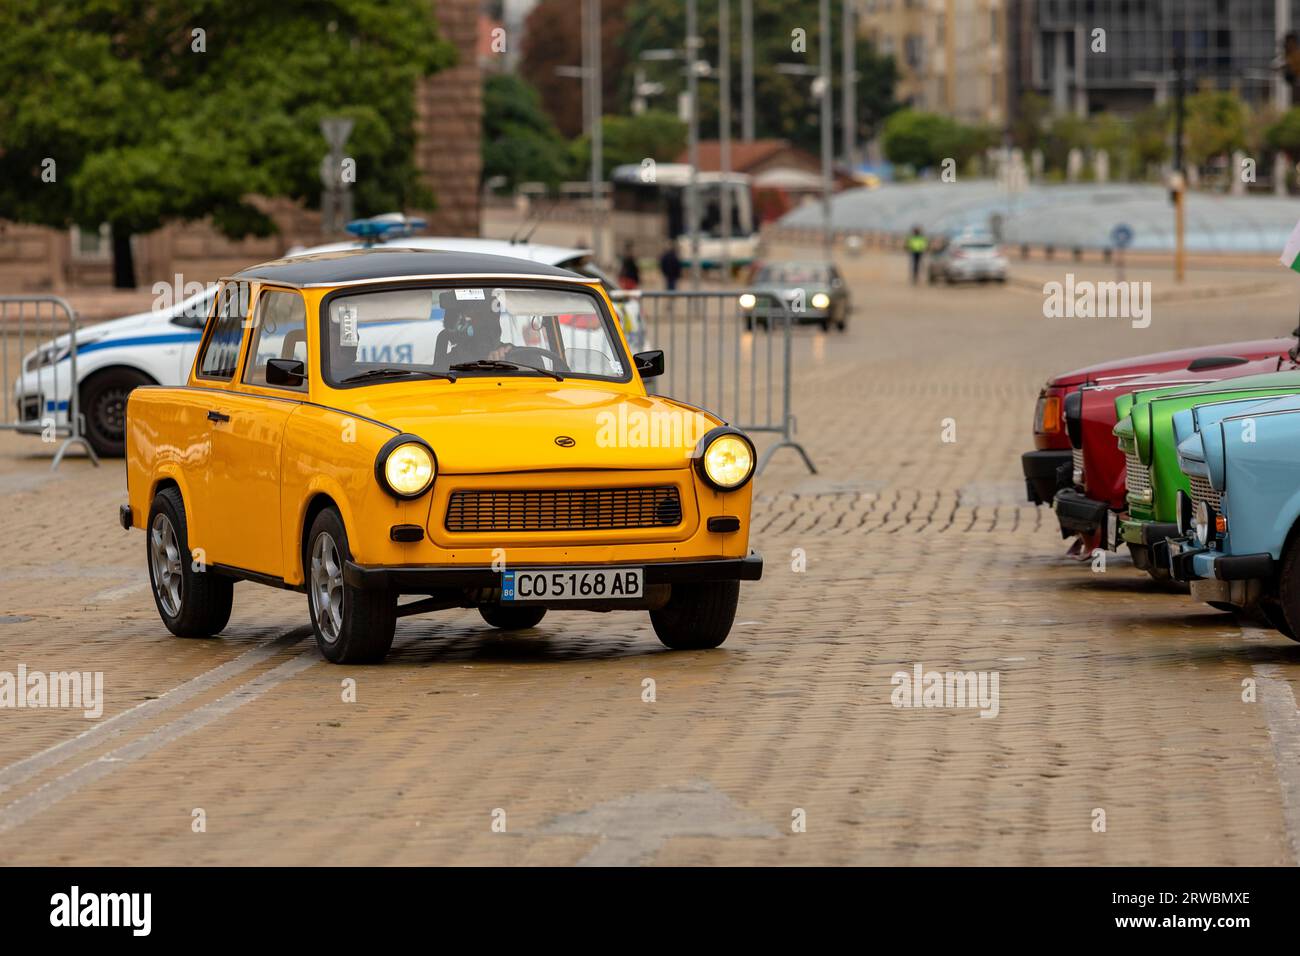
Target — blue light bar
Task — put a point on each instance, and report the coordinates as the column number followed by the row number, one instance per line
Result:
column 392, row 225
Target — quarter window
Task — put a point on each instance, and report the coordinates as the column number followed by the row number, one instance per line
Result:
column 279, row 331
column 221, row 351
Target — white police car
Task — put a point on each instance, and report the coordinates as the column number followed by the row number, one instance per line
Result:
column 157, row 347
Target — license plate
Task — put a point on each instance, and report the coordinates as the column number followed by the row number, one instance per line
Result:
column 573, row 584
column 1112, row 531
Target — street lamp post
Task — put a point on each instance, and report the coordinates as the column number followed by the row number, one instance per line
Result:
column 824, row 28
column 724, row 132
column 747, row 70
column 693, row 140
column 849, row 95
column 592, row 78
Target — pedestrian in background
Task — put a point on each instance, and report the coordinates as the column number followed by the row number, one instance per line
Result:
column 629, row 273
column 670, row 266
column 916, row 246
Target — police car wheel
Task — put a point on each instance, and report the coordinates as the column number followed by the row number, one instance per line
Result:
column 103, row 403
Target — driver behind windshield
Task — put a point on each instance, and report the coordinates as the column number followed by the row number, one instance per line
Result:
column 473, row 332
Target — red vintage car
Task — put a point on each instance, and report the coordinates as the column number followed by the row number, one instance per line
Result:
column 1048, row 468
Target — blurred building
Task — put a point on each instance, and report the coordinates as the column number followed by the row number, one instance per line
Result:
column 449, row 110
column 951, row 54
column 1230, row 44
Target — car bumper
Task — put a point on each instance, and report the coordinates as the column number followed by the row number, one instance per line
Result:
column 1042, row 479
column 424, row 579
column 1237, row 579
column 1079, row 514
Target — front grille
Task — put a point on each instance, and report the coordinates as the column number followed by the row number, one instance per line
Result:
column 584, row 509
column 1136, row 475
column 1076, row 463
column 1203, row 491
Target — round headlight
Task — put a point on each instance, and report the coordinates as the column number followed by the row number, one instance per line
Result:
column 747, row 300
column 408, row 468
column 1203, row 523
column 728, row 461
column 821, row 301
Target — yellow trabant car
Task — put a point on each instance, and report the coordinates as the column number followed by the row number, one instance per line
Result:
column 466, row 429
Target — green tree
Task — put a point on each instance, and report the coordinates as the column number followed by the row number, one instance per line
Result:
column 148, row 121
column 785, row 107
column 627, row 140
column 1284, row 135
column 1216, row 125
column 923, row 140
column 520, row 143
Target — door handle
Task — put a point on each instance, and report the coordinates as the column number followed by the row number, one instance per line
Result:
column 215, row 416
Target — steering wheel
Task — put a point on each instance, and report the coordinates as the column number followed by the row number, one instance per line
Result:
column 555, row 357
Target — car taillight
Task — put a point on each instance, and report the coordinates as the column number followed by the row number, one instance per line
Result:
column 1047, row 415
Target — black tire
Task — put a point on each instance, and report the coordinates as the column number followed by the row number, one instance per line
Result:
column 1271, row 610
column 102, row 400
column 1288, row 591
column 512, row 618
column 697, row 616
column 199, row 603
column 361, row 622
column 825, row 324
column 1223, row 606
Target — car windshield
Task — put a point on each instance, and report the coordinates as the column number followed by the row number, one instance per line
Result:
column 792, row 273
column 396, row 334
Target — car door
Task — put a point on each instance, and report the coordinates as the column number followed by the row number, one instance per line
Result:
column 247, row 436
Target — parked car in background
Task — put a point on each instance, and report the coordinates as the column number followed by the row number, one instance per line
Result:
column 1145, row 433
column 366, row 424
column 1238, row 543
column 814, row 293
column 1047, row 468
column 967, row 257
column 157, row 347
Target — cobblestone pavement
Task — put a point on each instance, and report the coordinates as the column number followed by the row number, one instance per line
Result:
column 1114, row 696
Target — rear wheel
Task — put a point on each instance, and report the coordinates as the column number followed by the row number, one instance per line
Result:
column 512, row 618
column 697, row 616
column 1271, row 610
column 352, row 625
column 103, row 402
column 191, row 603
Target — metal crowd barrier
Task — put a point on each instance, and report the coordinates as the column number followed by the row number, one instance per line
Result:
column 48, row 379
column 734, row 362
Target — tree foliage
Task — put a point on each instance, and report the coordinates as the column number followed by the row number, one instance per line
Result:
column 553, row 40
column 520, row 143
column 148, row 121
column 924, row 140
column 627, row 140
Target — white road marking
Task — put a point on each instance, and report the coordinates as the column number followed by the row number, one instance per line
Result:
column 44, row 797
column 1283, row 719
column 118, row 724
column 633, row 828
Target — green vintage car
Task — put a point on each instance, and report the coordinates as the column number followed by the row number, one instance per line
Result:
column 1146, row 436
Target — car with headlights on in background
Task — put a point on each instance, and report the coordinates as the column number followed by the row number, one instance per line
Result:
column 813, row 293
column 967, row 257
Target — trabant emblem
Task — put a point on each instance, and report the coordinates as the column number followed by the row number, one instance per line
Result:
column 564, row 441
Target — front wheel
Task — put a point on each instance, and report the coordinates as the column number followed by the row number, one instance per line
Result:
column 191, row 602
column 512, row 618
column 103, row 403
column 697, row 616
column 352, row 625
column 1286, row 610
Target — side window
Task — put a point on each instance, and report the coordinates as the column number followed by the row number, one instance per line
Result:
column 221, row 351
column 279, row 331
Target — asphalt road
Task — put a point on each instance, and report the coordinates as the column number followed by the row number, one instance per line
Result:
column 1116, row 701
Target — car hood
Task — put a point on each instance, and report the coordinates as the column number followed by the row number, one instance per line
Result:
column 490, row 429
column 1173, row 361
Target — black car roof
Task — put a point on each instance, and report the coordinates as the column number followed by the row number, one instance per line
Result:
column 372, row 265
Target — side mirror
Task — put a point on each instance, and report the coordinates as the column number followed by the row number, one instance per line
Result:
column 289, row 372
column 649, row 364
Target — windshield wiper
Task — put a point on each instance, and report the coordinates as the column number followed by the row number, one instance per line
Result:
column 391, row 370
column 502, row 364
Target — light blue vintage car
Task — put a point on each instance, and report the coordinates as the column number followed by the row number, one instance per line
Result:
column 1237, row 550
